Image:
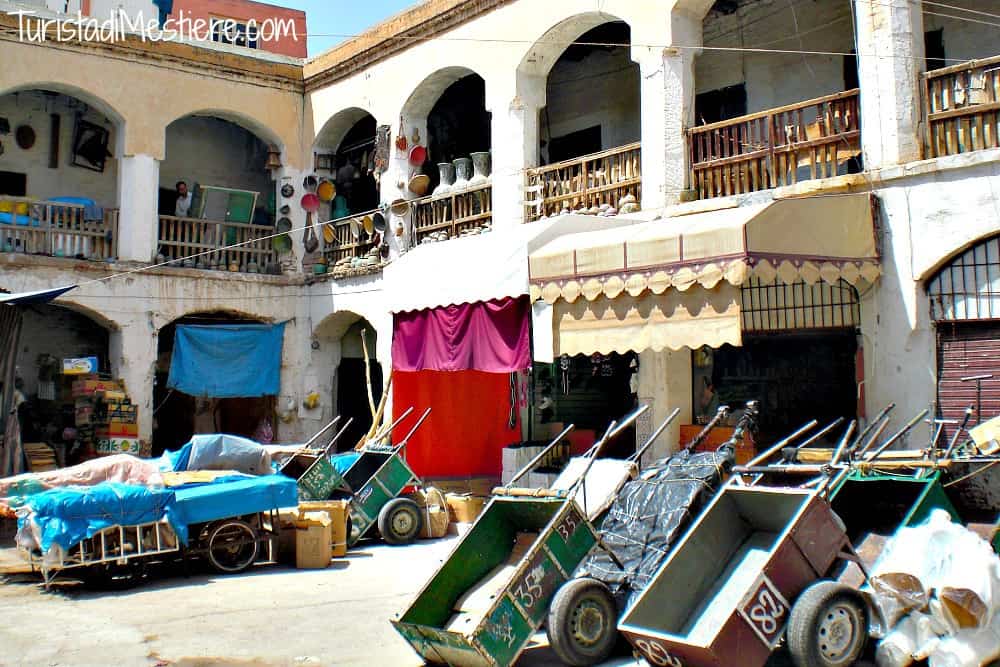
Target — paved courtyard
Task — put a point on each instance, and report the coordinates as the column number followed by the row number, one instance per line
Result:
column 272, row 615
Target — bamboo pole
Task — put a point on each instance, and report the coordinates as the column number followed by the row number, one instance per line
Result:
column 368, row 373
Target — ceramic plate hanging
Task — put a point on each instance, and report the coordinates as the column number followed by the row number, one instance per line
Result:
column 326, row 190
column 400, row 207
column 368, row 224
column 418, row 155
column 418, row 184
column 378, row 221
column 328, row 233
column 309, row 183
column 287, row 191
column 310, row 202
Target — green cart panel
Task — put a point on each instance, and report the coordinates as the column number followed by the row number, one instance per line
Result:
column 519, row 607
column 377, row 478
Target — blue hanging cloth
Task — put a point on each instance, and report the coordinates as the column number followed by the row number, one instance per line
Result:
column 227, row 360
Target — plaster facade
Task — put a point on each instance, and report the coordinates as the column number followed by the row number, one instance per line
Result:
column 929, row 210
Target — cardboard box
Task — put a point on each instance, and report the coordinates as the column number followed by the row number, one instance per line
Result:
column 81, row 366
column 336, row 510
column 464, row 508
column 312, row 540
column 90, row 387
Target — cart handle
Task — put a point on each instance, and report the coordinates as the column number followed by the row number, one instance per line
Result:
column 598, row 446
column 954, row 438
column 402, row 443
column 627, row 421
column 637, row 457
column 819, row 434
column 843, row 442
column 523, row 471
column 871, row 441
column 720, row 414
column 778, row 446
column 899, row 434
column 864, row 433
column 387, row 430
column 326, row 450
column 321, row 432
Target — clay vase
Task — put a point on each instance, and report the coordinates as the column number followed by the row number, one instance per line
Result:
column 481, row 166
column 447, row 171
column 463, row 172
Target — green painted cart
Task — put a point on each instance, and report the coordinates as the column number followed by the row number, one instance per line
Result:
column 493, row 592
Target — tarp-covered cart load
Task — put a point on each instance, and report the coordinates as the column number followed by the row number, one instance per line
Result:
column 116, row 529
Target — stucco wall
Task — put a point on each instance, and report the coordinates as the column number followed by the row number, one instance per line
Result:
column 776, row 79
column 293, row 44
column 215, row 152
column 61, row 333
column 33, row 108
column 965, row 39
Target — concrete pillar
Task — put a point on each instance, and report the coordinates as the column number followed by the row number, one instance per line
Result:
column 667, row 108
column 133, row 360
column 138, row 191
column 890, row 36
column 664, row 380
column 514, row 129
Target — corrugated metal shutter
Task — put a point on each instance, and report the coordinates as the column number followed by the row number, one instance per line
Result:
column 964, row 350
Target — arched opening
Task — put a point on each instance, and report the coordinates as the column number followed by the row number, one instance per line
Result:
column 753, row 64
column 964, row 299
column 220, row 166
column 458, row 125
column 589, row 127
column 59, row 347
column 58, row 175
column 177, row 415
column 345, row 153
column 342, row 339
column 592, row 96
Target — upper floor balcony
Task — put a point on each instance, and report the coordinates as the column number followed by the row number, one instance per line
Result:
column 58, row 228
column 963, row 107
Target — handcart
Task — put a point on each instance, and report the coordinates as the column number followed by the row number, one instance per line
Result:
column 492, row 593
column 231, row 522
column 644, row 520
column 751, row 571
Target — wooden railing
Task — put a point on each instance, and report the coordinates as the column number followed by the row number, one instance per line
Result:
column 57, row 229
column 454, row 214
column 963, row 107
column 585, row 182
column 812, row 139
column 182, row 238
column 345, row 245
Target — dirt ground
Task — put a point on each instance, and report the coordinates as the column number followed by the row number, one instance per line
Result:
column 272, row 615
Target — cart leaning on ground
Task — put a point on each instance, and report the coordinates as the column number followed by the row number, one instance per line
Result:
column 492, row 593
column 374, row 484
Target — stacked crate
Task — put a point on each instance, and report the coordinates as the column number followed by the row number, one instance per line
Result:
column 106, row 419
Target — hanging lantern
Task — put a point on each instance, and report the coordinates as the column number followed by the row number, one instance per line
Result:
column 273, row 159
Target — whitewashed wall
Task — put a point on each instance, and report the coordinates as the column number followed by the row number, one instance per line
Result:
column 33, row 108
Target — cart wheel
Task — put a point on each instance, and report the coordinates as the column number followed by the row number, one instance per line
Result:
column 400, row 521
column 232, row 546
column 583, row 622
column 828, row 626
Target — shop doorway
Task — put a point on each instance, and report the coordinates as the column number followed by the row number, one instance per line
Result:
column 352, row 399
column 177, row 416
column 795, row 376
column 589, row 392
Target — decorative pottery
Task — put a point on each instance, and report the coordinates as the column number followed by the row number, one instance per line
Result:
column 287, row 191
column 400, row 207
column 447, row 171
column 328, row 234
column 310, row 182
column 310, row 202
column 481, row 166
column 378, row 221
column 368, row 225
column 25, row 137
column 463, row 172
column 326, row 190
column 418, row 184
column 418, row 155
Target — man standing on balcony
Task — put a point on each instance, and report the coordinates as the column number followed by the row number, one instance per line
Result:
column 183, row 205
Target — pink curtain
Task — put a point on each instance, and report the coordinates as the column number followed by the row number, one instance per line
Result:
column 491, row 336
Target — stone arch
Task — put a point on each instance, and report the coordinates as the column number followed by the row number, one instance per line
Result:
column 336, row 127
column 82, row 95
column 540, row 57
column 423, row 97
column 249, row 123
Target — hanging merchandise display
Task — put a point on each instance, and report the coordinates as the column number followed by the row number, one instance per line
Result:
column 381, row 159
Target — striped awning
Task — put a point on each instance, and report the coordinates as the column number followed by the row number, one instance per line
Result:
column 828, row 238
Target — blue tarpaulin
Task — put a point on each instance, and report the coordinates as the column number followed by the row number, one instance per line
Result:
column 227, row 360
column 65, row 516
column 68, row 515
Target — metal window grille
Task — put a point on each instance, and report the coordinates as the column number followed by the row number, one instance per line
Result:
column 785, row 307
column 968, row 287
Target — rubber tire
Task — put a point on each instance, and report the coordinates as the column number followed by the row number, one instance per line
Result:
column 388, row 514
column 562, row 613
column 807, row 612
column 214, row 531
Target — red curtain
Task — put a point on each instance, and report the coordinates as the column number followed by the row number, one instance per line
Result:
column 488, row 336
column 468, row 425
